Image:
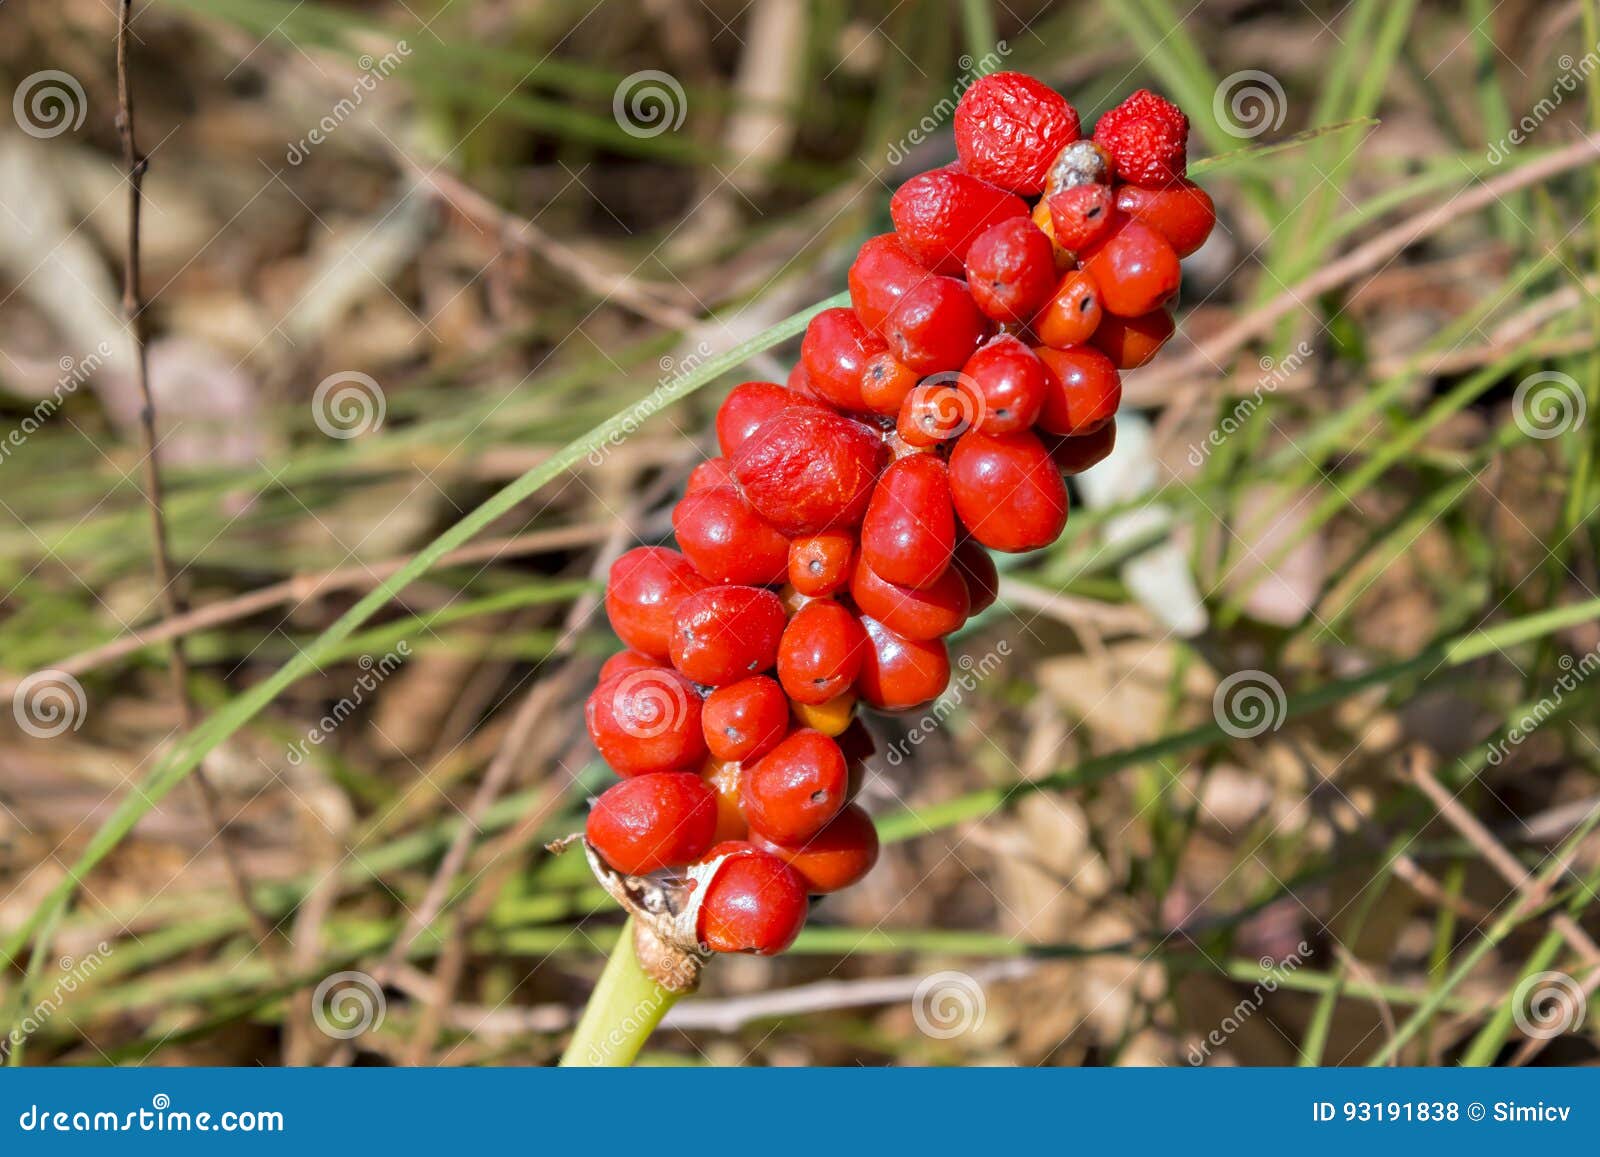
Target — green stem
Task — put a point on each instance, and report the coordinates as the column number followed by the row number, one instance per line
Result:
column 623, row 1011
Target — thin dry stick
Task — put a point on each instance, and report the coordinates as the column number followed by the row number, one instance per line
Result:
column 133, row 310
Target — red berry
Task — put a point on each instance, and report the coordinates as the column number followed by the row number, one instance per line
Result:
column 1147, row 136
column 936, row 326
column 1183, row 213
column 796, row 788
column 1007, row 491
column 901, row 673
column 978, row 571
column 1011, row 268
column 1075, row 455
column 882, row 273
column 1082, row 390
column 664, row 820
column 755, row 903
column 819, row 564
column 835, row 351
column 624, row 661
column 727, row 541
column 809, row 470
column 746, row 407
column 1131, row 342
column 799, row 382
column 723, row 777
column 936, row 412
column 939, row 214
column 836, row 857
column 646, row 720
column 885, row 383
column 1007, row 383
column 643, row 589
column 710, row 474
column 1072, row 314
column 910, row 527
column 726, row 633
column 914, row 612
column 1009, row 127
column 820, row 653
column 745, row 720
column 1136, row 269
column 1081, row 215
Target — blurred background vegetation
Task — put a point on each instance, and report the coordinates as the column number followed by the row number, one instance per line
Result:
column 399, row 253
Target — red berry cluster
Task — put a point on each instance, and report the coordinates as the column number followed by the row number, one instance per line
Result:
column 979, row 365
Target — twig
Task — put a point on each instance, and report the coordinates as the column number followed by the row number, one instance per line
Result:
column 172, row 602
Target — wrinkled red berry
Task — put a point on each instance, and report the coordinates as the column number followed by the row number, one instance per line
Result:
column 936, row 326
column 796, row 788
column 1183, row 213
column 646, row 720
column 1009, row 127
column 643, row 589
column 1011, row 269
column 1007, row 383
column 1147, row 136
column 938, row 215
column 755, row 903
column 726, row 633
column 746, row 407
column 1082, row 390
column 1134, row 266
column 821, row 652
column 1007, row 491
column 835, row 351
column 836, row 857
column 745, row 720
column 819, row 564
column 910, row 527
column 727, row 541
column 901, row 673
column 664, row 820
column 710, row 474
column 808, row 470
column 915, row 612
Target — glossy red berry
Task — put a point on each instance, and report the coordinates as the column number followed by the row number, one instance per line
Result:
column 939, row 214
column 643, row 589
column 977, row 569
column 910, row 527
column 624, row 661
column 885, row 383
column 745, row 720
column 835, row 351
column 1183, row 213
column 796, row 788
column 746, row 407
column 727, row 541
column 1007, row 384
column 1073, row 312
column 836, row 857
column 1131, row 342
column 1147, row 136
column 646, row 720
column 1011, row 269
column 726, row 633
column 916, row 612
column 936, row 411
column 820, row 564
column 755, row 903
column 809, row 470
column 1009, row 127
column 936, row 326
column 821, row 651
column 901, row 673
column 710, row 474
column 1081, row 216
column 664, row 820
column 1075, row 455
column 1136, row 269
column 883, row 272
column 1007, row 492
column 1082, row 390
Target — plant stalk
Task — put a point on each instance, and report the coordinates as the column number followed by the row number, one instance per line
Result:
column 624, row 1009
